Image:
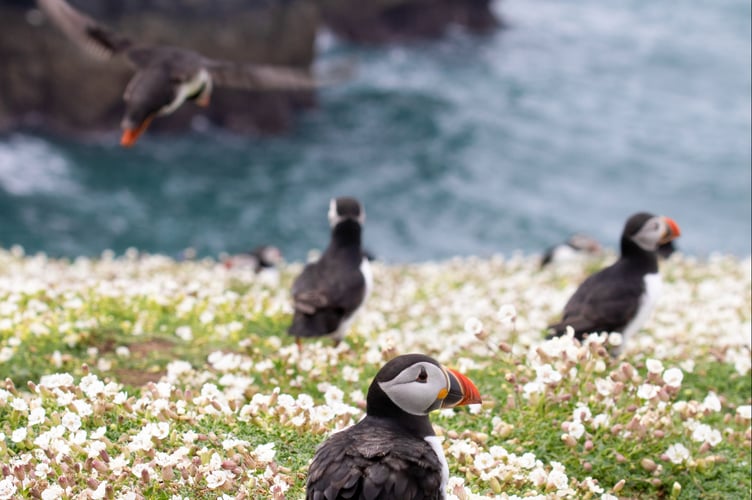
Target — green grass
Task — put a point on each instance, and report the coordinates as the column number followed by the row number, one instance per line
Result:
column 76, row 328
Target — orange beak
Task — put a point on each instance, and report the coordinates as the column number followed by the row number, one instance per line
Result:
column 462, row 391
column 130, row 135
column 673, row 230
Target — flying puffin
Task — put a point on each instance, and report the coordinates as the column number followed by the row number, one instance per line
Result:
column 620, row 298
column 577, row 244
column 165, row 77
column 393, row 453
column 329, row 291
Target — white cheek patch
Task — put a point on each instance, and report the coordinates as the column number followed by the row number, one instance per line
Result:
column 412, row 396
column 647, row 238
column 334, row 217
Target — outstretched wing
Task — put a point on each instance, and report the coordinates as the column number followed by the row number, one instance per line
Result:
column 271, row 77
column 96, row 39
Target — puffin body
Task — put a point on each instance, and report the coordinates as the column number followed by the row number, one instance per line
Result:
column 621, row 297
column 165, row 77
column 575, row 246
column 329, row 291
column 393, row 453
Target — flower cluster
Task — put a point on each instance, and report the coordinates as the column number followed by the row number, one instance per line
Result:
column 132, row 375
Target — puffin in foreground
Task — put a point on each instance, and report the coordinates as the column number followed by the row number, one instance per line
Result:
column 165, row 77
column 393, row 453
column 329, row 291
column 576, row 245
column 621, row 297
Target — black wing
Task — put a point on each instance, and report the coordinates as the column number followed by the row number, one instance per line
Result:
column 95, row 38
column 367, row 462
column 323, row 295
column 606, row 301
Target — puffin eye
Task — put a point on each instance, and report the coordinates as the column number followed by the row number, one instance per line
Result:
column 422, row 376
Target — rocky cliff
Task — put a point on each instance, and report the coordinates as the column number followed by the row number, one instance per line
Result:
column 49, row 84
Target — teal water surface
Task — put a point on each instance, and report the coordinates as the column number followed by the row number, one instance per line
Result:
column 575, row 116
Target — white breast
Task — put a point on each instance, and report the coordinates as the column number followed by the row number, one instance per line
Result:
column 435, row 443
column 187, row 88
column 365, row 269
column 653, row 288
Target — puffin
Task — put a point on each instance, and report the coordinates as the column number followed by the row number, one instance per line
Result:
column 576, row 245
column 393, row 452
column 621, row 297
column 165, row 76
column 262, row 258
column 329, row 291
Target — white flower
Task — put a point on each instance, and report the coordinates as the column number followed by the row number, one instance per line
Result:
column 217, row 478
column 19, row 404
column 507, row 314
column 745, row 412
column 547, row 374
column 558, row 479
column 704, row 433
column 712, row 402
column 99, row 493
column 647, row 391
column 18, row 435
column 604, row 386
column 185, row 333
column 7, row 488
column 53, row 492
column 92, row 386
column 483, row 461
column 673, row 377
column 576, row 429
column 473, row 326
column 677, row 453
column 36, row 416
column 654, row 366
column 265, row 452
column 71, row 421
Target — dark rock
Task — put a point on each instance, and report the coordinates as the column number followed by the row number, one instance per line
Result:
column 381, row 21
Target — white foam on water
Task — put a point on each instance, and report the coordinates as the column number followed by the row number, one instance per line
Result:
column 32, row 166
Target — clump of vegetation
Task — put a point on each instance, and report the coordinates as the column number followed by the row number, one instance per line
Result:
column 139, row 376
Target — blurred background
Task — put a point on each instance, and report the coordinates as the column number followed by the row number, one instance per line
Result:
column 470, row 128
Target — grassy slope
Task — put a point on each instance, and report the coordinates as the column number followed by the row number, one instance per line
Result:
column 77, row 318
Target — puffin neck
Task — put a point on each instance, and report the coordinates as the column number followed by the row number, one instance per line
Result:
column 645, row 259
column 346, row 234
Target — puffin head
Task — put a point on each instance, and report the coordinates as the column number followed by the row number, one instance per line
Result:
column 584, row 243
column 150, row 93
column 345, row 208
column 267, row 255
column 417, row 384
column 649, row 231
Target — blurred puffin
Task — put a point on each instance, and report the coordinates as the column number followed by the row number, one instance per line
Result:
column 576, row 245
column 393, row 453
column 620, row 298
column 165, row 77
column 329, row 291
column 261, row 258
